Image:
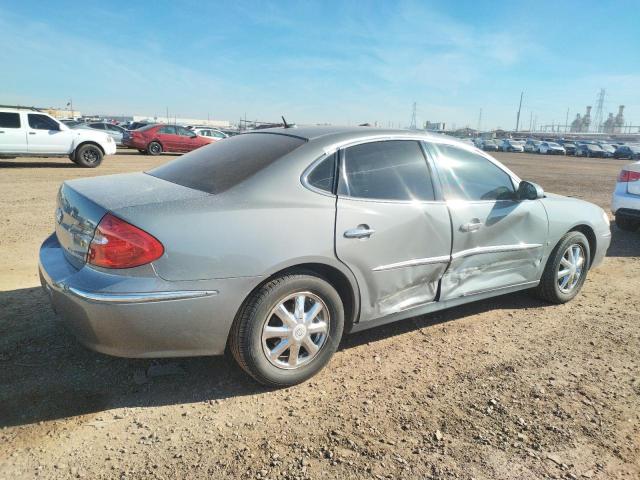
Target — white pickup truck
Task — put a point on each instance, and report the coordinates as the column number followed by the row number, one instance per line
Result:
column 28, row 132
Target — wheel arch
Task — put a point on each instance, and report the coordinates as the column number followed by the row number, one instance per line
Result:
column 588, row 232
column 89, row 142
column 347, row 288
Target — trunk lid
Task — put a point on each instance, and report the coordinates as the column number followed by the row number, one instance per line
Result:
column 82, row 203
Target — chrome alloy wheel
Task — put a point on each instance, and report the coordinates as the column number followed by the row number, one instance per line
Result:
column 571, row 268
column 295, row 330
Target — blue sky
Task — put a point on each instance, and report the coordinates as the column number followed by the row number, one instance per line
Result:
column 338, row 62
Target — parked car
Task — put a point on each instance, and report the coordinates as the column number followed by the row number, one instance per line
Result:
column 488, row 145
column 531, row 146
column 155, row 139
column 591, row 150
column 569, row 147
column 509, row 145
column 200, row 255
column 70, row 122
column 28, row 132
column 210, row 133
column 114, row 131
column 608, row 148
column 625, row 203
column 551, row 148
column 627, row 151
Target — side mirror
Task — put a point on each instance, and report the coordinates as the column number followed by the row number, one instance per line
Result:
column 529, row 191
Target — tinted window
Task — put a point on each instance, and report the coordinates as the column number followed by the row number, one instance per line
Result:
column 392, row 170
column 42, row 122
column 222, row 165
column 218, row 134
column 323, row 174
column 167, row 130
column 99, row 126
column 9, row 120
column 468, row 176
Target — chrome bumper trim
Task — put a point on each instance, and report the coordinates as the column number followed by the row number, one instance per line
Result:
column 139, row 297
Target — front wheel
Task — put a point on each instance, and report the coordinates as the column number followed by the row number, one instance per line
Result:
column 88, row 156
column 287, row 330
column 566, row 269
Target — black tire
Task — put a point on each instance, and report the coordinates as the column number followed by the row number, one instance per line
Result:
column 549, row 288
column 154, row 148
column 245, row 337
column 88, row 156
column 627, row 224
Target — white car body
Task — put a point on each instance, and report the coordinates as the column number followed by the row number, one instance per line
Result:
column 625, row 203
column 209, row 132
column 30, row 132
column 551, row 148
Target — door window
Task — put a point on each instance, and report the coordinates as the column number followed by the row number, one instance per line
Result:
column 469, row 176
column 99, row 126
column 9, row 120
column 168, row 130
column 388, row 170
column 42, row 122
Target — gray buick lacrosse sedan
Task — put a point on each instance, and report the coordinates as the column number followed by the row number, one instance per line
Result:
column 275, row 243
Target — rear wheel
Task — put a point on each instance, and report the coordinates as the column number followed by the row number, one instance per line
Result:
column 627, row 224
column 154, row 148
column 88, row 156
column 566, row 269
column 287, row 330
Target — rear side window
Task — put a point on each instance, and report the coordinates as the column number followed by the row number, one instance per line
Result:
column 222, row 165
column 389, row 170
column 167, row 130
column 468, row 176
column 9, row 120
column 42, row 122
column 184, row 132
column 323, row 175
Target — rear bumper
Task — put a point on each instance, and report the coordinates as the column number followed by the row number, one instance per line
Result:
column 140, row 316
column 624, row 203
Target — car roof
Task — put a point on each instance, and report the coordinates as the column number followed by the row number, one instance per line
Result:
column 336, row 134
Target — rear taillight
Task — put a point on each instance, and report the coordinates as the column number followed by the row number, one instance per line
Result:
column 118, row 244
column 628, row 176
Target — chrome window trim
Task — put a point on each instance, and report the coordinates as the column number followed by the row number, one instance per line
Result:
column 146, row 297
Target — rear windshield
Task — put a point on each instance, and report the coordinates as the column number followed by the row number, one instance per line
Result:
column 224, row 164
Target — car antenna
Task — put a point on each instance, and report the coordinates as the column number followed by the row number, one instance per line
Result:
column 286, row 125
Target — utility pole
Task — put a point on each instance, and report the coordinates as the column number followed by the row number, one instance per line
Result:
column 167, row 115
column 480, row 120
column 530, row 121
column 413, row 117
column 566, row 121
column 519, row 108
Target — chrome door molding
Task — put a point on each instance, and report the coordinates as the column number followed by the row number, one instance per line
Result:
column 496, row 249
column 413, row 263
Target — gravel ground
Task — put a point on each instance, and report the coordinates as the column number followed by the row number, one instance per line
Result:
column 506, row 388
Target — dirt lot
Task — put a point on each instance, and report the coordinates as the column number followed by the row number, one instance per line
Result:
column 507, row 388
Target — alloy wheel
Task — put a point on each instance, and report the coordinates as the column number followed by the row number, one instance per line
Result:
column 295, row 330
column 571, row 268
column 90, row 156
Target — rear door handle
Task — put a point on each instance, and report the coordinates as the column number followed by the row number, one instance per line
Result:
column 473, row 226
column 361, row 231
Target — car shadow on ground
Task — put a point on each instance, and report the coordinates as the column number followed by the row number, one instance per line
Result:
column 58, row 163
column 45, row 374
column 623, row 243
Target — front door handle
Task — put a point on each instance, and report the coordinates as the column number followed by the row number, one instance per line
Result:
column 32, row 133
column 473, row 226
column 361, row 231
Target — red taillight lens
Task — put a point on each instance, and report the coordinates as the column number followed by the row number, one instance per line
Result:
column 628, row 176
column 118, row 244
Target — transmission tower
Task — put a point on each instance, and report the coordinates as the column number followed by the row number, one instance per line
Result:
column 413, row 117
column 597, row 119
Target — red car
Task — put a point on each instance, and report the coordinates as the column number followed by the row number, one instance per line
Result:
column 155, row 139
